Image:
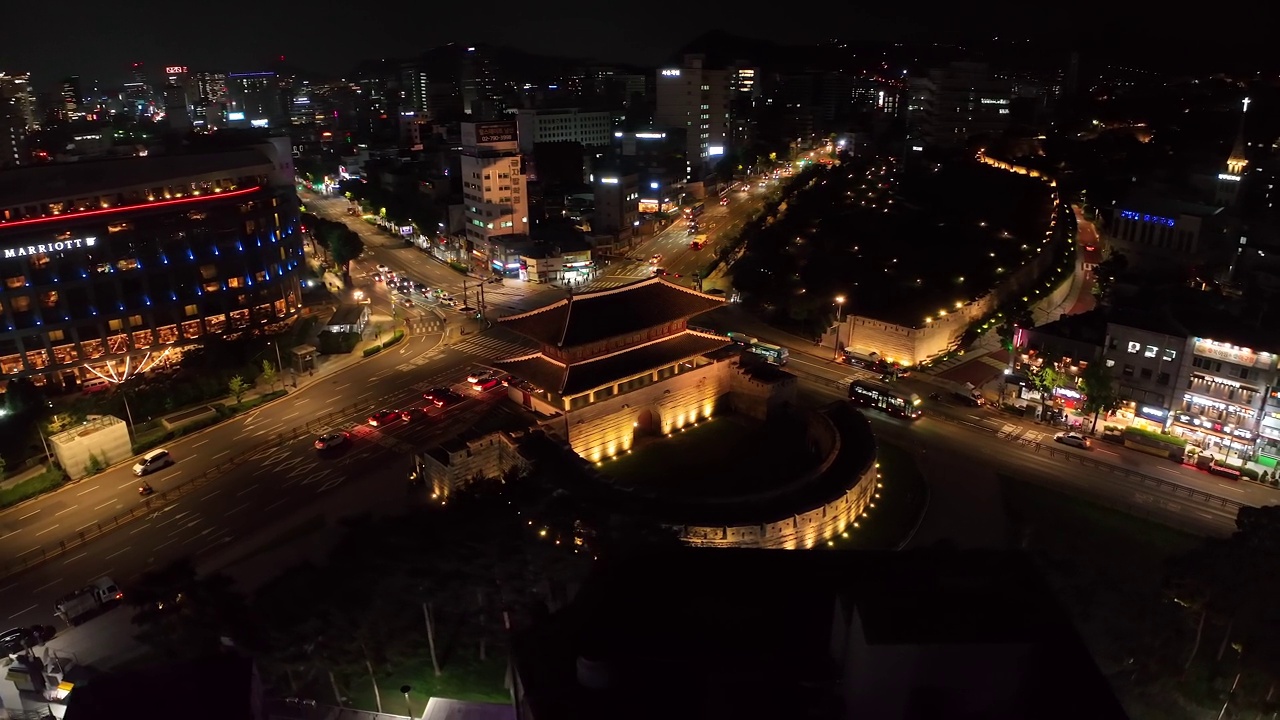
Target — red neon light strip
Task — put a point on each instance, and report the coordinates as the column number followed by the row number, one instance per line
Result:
column 108, row 211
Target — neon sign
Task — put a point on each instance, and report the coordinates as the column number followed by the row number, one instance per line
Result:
column 1142, row 217
column 176, row 70
column 1229, row 177
column 671, row 73
column 127, row 208
column 42, row 248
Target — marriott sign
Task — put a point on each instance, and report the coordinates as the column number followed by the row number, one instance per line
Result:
column 56, row 246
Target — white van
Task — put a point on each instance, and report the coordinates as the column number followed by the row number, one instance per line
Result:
column 153, row 461
column 95, row 385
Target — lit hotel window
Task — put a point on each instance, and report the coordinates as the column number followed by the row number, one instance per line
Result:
column 119, row 227
column 190, row 310
column 16, row 281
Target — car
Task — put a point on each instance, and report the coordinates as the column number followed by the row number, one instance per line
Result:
column 383, row 417
column 383, row 269
column 655, row 259
column 447, row 399
column 1074, row 439
column 969, row 399
column 435, row 392
column 331, row 440
column 724, row 201
column 413, row 413
column 407, row 302
column 485, row 384
column 377, row 277
column 421, row 288
column 479, row 374
column 155, row 460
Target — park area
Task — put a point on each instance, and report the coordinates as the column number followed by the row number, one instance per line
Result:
column 901, row 243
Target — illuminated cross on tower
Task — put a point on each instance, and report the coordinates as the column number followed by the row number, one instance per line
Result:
column 1236, row 162
column 1246, row 104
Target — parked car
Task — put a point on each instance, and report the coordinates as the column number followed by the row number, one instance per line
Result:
column 1073, row 439
column 383, row 417
column 331, row 440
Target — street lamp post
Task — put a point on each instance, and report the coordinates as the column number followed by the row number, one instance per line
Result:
column 839, row 319
column 404, row 689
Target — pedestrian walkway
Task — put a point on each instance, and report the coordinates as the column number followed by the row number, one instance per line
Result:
column 492, row 347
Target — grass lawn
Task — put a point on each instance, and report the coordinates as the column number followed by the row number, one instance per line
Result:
column 724, row 456
column 901, row 503
column 1107, row 569
column 462, row 679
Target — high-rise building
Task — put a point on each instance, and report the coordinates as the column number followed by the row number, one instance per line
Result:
column 254, row 99
column 495, row 198
column 617, row 202
column 592, row 129
column 17, row 87
column 72, row 99
column 695, row 98
column 481, row 96
column 960, row 101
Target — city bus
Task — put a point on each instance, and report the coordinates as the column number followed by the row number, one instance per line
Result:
column 772, row 354
column 694, row 211
column 898, row 403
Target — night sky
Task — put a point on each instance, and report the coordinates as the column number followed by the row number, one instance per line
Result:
column 96, row 39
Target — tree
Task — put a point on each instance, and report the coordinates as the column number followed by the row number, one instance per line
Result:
column 345, row 247
column 1014, row 318
column 1047, row 378
column 1099, row 391
column 269, row 374
column 185, row 615
column 237, row 387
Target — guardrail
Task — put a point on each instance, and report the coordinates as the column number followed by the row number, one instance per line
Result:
column 1054, row 451
column 156, row 503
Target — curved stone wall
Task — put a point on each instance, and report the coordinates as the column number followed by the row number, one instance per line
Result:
column 849, row 469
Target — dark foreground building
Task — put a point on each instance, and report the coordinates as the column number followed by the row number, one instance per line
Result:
column 774, row 634
column 109, row 266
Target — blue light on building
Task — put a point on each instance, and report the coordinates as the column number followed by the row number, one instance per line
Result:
column 1143, row 217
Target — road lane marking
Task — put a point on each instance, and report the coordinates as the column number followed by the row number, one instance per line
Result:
column 89, row 489
column 341, row 386
column 46, row 530
column 9, row 587
column 286, row 417
column 15, row 532
column 278, row 502
column 224, row 452
column 118, row 552
column 140, row 529
column 24, row 517
column 73, row 507
column 68, row 560
column 131, row 482
column 199, row 443
column 238, row 509
column 251, row 487
column 163, row 544
column 20, row 612
column 113, row 502
column 55, row 582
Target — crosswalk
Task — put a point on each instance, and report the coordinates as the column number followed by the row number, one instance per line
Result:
column 494, row 347
column 424, row 325
column 1020, row 434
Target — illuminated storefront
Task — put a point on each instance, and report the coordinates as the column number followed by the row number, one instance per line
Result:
column 111, row 267
column 1215, row 426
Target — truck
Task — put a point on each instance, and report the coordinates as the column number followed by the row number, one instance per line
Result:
column 699, row 242
column 88, row 601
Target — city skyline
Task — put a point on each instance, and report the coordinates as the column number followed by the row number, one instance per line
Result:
column 319, row 41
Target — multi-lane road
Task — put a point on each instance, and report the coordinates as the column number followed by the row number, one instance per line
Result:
column 994, row 439
column 252, row 493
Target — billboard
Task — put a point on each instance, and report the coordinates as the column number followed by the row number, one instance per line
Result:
column 495, row 132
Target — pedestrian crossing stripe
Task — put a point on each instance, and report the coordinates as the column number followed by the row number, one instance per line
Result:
column 493, row 348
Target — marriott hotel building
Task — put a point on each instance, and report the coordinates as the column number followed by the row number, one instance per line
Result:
column 108, row 267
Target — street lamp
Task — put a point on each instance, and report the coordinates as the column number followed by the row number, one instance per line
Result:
column 404, row 689
column 839, row 317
